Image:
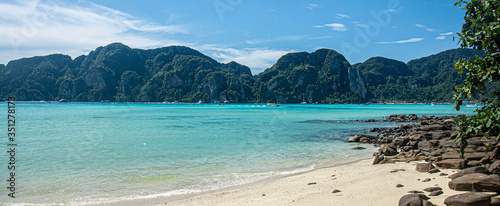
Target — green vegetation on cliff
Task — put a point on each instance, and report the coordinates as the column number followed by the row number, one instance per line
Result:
column 321, row 76
column 428, row 79
column 117, row 72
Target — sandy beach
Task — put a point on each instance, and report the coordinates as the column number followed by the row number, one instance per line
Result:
column 360, row 183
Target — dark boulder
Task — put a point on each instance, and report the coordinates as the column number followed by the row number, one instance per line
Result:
column 354, row 138
column 451, row 163
column 448, row 143
column 433, row 127
column 414, row 200
column 495, row 201
column 358, row 148
column 451, row 155
column 432, row 189
column 441, row 135
column 436, row 193
column 468, row 199
column 470, row 149
column 425, row 146
column 495, row 167
column 388, row 150
column 471, row 170
column 473, row 163
column 456, row 175
column 379, row 158
column 424, row 167
column 476, row 182
column 434, row 170
column 475, row 156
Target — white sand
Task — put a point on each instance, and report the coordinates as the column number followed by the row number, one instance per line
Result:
column 361, row 183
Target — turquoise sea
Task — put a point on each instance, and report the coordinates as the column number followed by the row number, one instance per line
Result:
column 84, row 153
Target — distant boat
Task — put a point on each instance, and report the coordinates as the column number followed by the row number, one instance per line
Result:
column 303, row 103
column 105, row 101
column 201, row 102
column 433, row 104
column 63, row 100
column 272, row 104
column 471, row 105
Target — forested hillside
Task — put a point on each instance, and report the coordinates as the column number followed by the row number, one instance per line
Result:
column 119, row 73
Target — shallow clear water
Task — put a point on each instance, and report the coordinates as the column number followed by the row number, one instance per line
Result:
column 77, row 153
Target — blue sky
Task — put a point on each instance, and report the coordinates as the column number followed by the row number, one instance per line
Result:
column 252, row 32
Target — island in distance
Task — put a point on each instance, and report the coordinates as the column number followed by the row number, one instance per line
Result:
column 119, row 73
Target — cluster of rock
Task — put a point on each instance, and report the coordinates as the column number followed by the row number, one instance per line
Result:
column 432, row 139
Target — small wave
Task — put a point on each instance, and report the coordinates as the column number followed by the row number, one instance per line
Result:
column 318, row 121
column 98, row 201
column 298, row 170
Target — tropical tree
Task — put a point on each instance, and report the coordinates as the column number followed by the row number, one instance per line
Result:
column 480, row 31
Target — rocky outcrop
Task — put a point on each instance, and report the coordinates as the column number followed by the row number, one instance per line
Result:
column 432, row 139
column 357, row 83
column 469, row 199
column 476, row 182
column 428, row 138
column 451, row 163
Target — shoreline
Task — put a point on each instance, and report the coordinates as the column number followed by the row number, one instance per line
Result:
column 365, row 155
column 209, row 103
column 359, row 182
column 391, row 177
column 285, row 187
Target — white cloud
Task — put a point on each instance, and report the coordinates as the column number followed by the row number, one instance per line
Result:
column 342, row 16
column 425, row 27
column 412, row 40
column 320, row 37
column 281, row 38
column 312, row 6
column 333, row 26
column 446, row 34
column 359, row 24
column 337, row 26
column 258, row 59
column 30, row 28
column 289, row 38
column 443, row 35
column 257, row 41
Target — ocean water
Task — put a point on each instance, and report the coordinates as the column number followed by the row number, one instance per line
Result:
column 87, row 153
